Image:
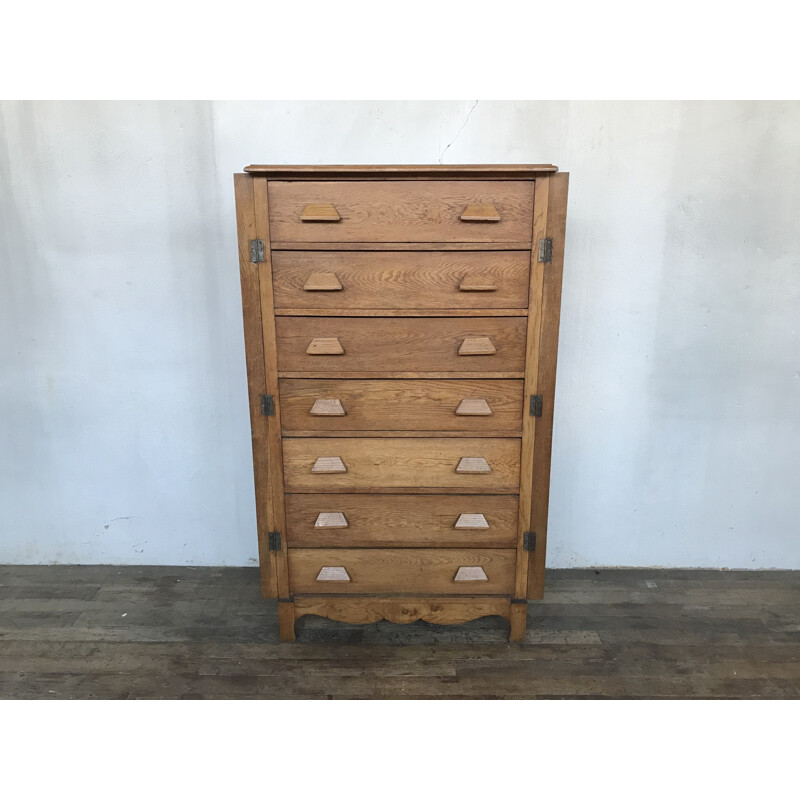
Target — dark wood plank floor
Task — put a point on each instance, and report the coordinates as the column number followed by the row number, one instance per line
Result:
column 177, row 632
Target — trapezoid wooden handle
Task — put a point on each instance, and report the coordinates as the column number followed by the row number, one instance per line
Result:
column 469, row 574
column 471, row 522
column 340, row 574
column 320, row 212
column 328, row 465
column 477, row 346
column 322, row 282
column 327, row 407
column 473, row 407
column 331, row 519
column 473, row 466
column 325, row 346
column 480, row 212
column 477, row 283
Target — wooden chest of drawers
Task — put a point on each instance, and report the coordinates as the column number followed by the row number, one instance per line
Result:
column 401, row 330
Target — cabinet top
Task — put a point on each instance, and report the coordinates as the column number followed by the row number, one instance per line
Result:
column 401, row 170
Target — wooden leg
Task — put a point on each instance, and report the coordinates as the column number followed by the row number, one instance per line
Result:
column 519, row 618
column 286, row 621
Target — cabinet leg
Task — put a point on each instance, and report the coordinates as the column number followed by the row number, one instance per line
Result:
column 286, row 620
column 519, row 619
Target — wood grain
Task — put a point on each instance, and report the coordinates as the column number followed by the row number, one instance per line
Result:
column 405, row 171
column 427, row 280
column 392, row 520
column 401, row 211
column 419, row 344
column 474, row 407
column 408, row 571
column 548, row 354
column 379, row 465
column 256, row 374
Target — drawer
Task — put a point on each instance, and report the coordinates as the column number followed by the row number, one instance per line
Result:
column 423, row 465
column 327, row 405
column 353, row 520
column 358, row 280
column 419, row 571
column 452, row 344
column 400, row 211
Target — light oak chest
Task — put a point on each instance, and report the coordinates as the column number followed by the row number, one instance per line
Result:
column 401, row 330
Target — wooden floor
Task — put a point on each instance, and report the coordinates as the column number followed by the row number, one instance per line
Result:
column 169, row 632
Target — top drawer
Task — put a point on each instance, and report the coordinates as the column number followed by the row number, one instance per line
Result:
column 400, row 211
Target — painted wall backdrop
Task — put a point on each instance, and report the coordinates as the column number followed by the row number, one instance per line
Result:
column 124, row 434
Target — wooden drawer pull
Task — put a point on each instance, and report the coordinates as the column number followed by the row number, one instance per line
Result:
column 472, row 522
column 327, row 407
column 325, row 347
column 480, row 212
column 333, row 519
column 477, row 283
column 340, row 574
column 476, row 346
column 469, row 574
column 328, row 465
column 322, row 282
column 473, row 466
column 473, row 407
column 320, row 212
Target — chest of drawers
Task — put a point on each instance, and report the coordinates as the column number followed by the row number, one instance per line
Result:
column 401, row 330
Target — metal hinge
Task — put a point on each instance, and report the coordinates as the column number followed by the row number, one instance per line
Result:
column 529, row 541
column 545, row 250
column 267, row 405
column 274, row 540
column 536, row 405
column 257, row 251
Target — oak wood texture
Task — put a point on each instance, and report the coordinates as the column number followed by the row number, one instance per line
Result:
column 274, row 452
column 477, row 346
column 409, row 520
column 480, row 212
column 405, row 171
column 400, row 280
column 473, row 407
column 401, row 211
column 320, row 212
column 325, row 346
column 328, row 465
column 405, row 571
column 417, row 344
column 318, row 282
column 385, row 465
column 469, row 574
column 333, row 574
column 256, row 376
column 546, row 378
column 444, row 247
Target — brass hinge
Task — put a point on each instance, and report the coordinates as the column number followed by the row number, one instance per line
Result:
column 536, row 405
column 267, row 405
column 274, row 540
column 546, row 250
column 529, row 541
column 257, row 251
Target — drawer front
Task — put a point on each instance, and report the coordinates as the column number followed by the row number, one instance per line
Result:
column 322, row 405
column 353, row 520
column 357, row 280
column 412, row 571
column 347, row 344
column 377, row 465
column 400, row 211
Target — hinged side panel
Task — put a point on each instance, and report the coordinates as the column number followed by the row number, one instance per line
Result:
column 256, row 373
column 277, row 514
column 556, row 221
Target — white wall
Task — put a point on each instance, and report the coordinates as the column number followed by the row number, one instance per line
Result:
column 124, row 435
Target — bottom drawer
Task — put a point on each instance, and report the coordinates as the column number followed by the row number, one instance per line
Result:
column 412, row 572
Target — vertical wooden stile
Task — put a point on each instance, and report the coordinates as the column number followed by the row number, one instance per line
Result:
column 556, row 220
column 276, row 512
column 256, row 377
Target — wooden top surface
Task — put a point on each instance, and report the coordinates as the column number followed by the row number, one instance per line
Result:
column 401, row 170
